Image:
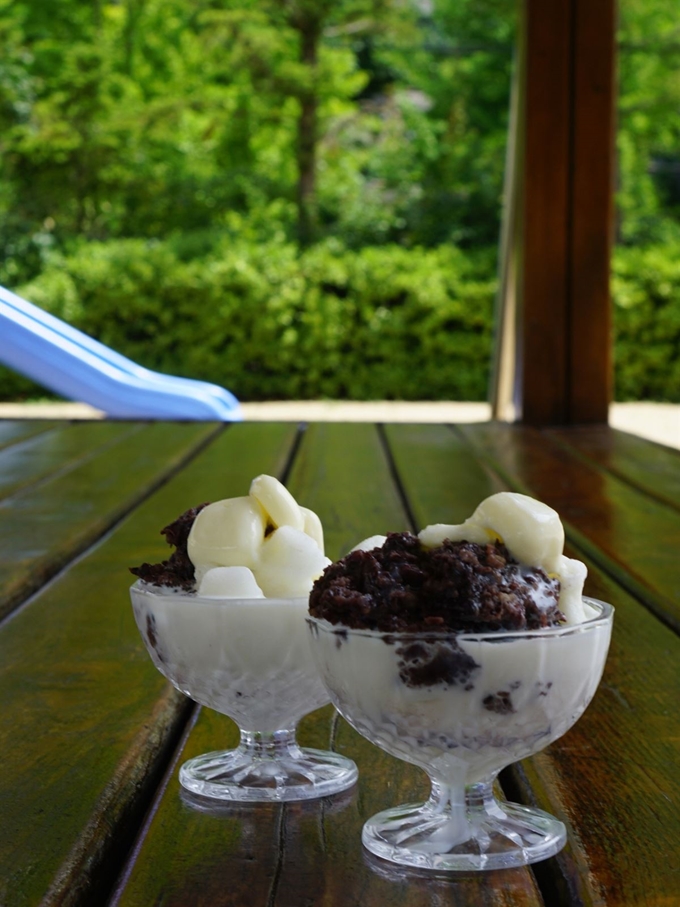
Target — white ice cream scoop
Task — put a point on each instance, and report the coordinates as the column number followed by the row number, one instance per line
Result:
column 229, row 582
column 267, row 532
column 227, row 533
column 277, row 502
column 289, row 563
column 312, row 526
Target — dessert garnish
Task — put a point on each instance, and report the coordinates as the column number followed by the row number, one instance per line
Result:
column 260, row 545
column 223, row 618
column 503, row 569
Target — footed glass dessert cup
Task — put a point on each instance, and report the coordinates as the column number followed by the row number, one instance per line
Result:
column 462, row 706
column 249, row 659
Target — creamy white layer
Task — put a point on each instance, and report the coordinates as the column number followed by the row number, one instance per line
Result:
column 247, row 658
column 525, row 690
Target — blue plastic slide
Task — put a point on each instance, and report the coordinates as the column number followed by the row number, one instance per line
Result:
column 71, row 364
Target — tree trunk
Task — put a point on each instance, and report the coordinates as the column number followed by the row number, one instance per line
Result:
column 310, row 33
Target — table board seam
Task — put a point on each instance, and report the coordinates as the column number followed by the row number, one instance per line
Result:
column 128, row 864
column 52, row 567
column 69, row 466
column 12, row 442
column 396, row 477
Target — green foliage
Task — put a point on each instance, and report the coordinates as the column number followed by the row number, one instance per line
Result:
column 463, row 68
column 646, row 289
column 383, row 322
column 648, row 135
column 269, row 323
column 151, row 164
column 152, row 119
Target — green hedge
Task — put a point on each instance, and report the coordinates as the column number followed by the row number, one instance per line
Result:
column 381, row 323
column 646, row 289
column 270, row 323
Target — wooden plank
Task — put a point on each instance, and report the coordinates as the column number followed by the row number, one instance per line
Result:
column 629, row 534
column 304, row 853
column 612, row 778
column 543, row 282
column 13, row 431
column 226, row 855
column 88, row 723
column 591, row 223
column 32, row 460
column 561, row 222
column 42, row 528
column 652, row 468
column 443, row 479
column 342, row 472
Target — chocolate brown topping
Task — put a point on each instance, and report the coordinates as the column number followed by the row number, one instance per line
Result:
column 177, row 571
column 460, row 586
column 424, row 663
column 499, row 702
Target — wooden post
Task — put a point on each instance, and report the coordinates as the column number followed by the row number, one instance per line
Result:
column 555, row 293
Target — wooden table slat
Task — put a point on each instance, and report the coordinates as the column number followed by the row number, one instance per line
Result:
column 43, row 528
column 341, row 471
column 647, row 466
column 430, row 461
column 82, row 702
column 13, row 431
column 39, row 456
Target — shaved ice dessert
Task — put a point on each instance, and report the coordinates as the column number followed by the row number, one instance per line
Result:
column 462, row 650
column 223, row 618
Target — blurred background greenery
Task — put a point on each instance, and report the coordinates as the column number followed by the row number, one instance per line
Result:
column 302, row 198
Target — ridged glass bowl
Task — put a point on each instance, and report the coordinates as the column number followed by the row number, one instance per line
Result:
column 249, row 659
column 462, row 706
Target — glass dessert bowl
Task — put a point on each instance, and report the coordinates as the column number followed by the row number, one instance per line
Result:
column 462, row 706
column 249, row 659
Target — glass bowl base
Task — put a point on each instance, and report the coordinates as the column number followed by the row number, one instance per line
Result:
column 237, row 775
column 426, row 838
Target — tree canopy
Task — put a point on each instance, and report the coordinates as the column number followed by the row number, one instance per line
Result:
column 151, row 145
column 370, row 120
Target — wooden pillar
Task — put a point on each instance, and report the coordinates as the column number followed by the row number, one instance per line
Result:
column 555, row 303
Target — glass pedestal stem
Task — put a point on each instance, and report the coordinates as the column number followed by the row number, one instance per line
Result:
column 266, row 766
column 269, row 746
column 463, row 828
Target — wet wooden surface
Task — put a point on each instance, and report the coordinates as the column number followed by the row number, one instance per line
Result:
column 74, row 501
column 92, row 737
column 627, row 531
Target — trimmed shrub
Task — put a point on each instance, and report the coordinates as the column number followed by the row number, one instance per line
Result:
column 271, row 323
column 646, row 291
column 380, row 323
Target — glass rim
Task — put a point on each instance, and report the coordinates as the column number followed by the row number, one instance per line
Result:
column 605, row 616
column 140, row 587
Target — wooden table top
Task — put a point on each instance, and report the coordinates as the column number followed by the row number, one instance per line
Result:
column 92, row 736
